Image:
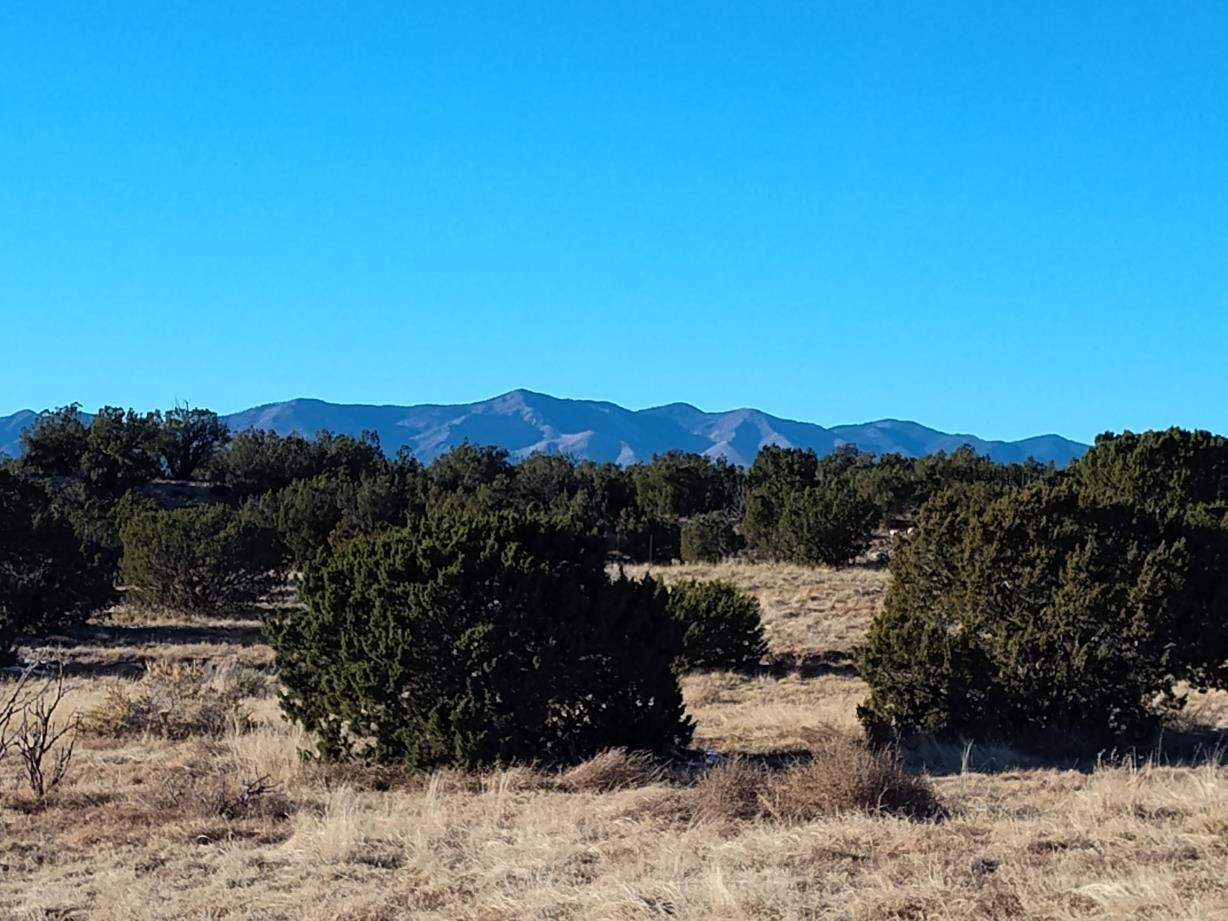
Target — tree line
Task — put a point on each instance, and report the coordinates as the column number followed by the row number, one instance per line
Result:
column 278, row 501
column 317, row 492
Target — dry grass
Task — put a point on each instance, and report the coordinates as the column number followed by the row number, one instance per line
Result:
column 148, row 827
column 731, row 791
column 837, row 777
column 807, row 612
column 766, row 713
column 176, row 700
column 844, row 776
column 615, row 769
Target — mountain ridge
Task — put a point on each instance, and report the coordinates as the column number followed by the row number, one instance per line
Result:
column 526, row 422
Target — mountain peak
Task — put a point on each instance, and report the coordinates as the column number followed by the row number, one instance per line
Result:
column 526, row 422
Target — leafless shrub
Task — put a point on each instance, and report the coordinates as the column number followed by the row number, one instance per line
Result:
column 252, row 797
column 11, row 706
column 613, row 769
column 45, row 749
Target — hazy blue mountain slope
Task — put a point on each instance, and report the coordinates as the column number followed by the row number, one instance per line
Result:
column 11, row 428
column 524, row 423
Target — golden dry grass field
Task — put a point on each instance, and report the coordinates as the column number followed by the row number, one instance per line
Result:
column 161, row 815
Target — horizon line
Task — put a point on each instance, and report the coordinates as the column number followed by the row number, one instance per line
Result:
column 537, row 393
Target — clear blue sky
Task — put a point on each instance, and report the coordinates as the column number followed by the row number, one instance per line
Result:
column 999, row 221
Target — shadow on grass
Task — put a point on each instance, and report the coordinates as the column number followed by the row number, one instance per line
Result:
column 813, row 665
column 89, row 650
column 1183, row 746
column 243, row 631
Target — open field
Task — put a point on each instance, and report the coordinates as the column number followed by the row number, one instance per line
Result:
column 161, row 818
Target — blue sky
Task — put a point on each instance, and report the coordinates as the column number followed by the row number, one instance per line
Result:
column 1003, row 221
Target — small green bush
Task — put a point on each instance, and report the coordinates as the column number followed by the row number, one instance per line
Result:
column 203, row 560
column 709, row 538
column 470, row 639
column 304, row 514
column 722, row 626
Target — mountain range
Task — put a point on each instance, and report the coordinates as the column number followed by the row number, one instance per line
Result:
column 525, row 423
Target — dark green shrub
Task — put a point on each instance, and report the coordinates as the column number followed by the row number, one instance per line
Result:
column 97, row 521
column 709, row 538
column 47, row 581
column 314, row 513
column 303, row 514
column 468, row 469
column 122, row 451
column 605, row 490
column 203, row 560
column 646, row 539
column 829, row 523
column 1042, row 609
column 53, row 445
column 1166, row 472
column 112, row 453
column 722, row 626
column 547, row 483
column 585, row 496
column 381, row 500
column 189, row 440
column 255, row 461
column 471, row 639
column 678, row 484
column 806, row 510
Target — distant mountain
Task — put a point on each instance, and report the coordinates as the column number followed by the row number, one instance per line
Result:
column 11, row 428
column 526, row 423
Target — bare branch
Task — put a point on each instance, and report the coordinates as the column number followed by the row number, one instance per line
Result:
column 38, row 737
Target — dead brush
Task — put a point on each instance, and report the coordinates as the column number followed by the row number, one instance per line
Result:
column 844, row 775
column 731, row 790
column 252, row 798
column 610, row 770
column 171, row 701
column 840, row 775
column 218, row 792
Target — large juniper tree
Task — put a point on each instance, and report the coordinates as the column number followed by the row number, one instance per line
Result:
column 474, row 638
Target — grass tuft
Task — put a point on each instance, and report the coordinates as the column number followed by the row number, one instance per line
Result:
column 613, row 769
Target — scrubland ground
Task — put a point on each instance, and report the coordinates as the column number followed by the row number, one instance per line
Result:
column 187, row 799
